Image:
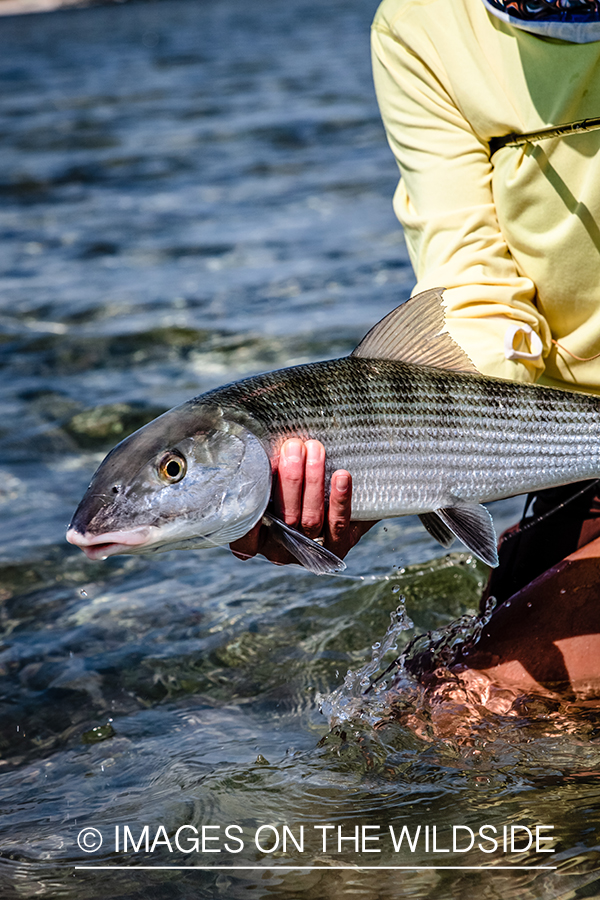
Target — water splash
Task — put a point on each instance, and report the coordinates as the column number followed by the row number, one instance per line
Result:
column 372, row 699
column 438, row 649
column 349, row 700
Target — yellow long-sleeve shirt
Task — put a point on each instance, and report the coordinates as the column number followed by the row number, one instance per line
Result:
column 516, row 238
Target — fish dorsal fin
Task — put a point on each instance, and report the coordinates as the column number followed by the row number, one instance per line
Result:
column 411, row 334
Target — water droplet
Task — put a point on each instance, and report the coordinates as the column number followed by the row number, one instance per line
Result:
column 563, row 590
column 83, row 593
column 530, row 605
column 376, row 645
column 395, row 589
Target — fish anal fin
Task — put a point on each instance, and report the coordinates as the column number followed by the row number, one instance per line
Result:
column 472, row 524
column 309, row 554
column 437, row 529
column 412, row 333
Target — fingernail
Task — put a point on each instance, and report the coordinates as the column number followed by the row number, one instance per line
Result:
column 292, row 451
column 342, row 483
column 315, row 452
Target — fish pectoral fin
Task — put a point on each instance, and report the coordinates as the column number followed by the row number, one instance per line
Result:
column 311, row 555
column 413, row 333
column 437, row 529
column 472, row 524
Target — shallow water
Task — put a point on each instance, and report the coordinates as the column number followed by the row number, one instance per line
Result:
column 194, row 191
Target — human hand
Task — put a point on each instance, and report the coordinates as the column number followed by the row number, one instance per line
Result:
column 299, row 501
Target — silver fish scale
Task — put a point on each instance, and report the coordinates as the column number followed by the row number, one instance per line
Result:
column 417, row 438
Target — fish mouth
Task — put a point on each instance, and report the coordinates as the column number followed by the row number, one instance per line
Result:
column 101, row 546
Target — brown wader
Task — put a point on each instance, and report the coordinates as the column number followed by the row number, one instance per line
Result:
column 556, row 522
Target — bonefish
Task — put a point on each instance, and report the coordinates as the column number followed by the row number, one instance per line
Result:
column 407, row 413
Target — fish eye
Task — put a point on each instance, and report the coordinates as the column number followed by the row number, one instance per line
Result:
column 172, row 467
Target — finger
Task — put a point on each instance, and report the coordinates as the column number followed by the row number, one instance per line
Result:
column 288, row 495
column 340, row 508
column 341, row 534
column 313, row 498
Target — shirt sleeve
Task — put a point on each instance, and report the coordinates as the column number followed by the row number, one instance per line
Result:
column 445, row 204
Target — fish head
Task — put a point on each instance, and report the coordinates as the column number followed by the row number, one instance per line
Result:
column 194, row 477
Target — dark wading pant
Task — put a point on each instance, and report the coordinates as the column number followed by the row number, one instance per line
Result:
column 529, row 548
